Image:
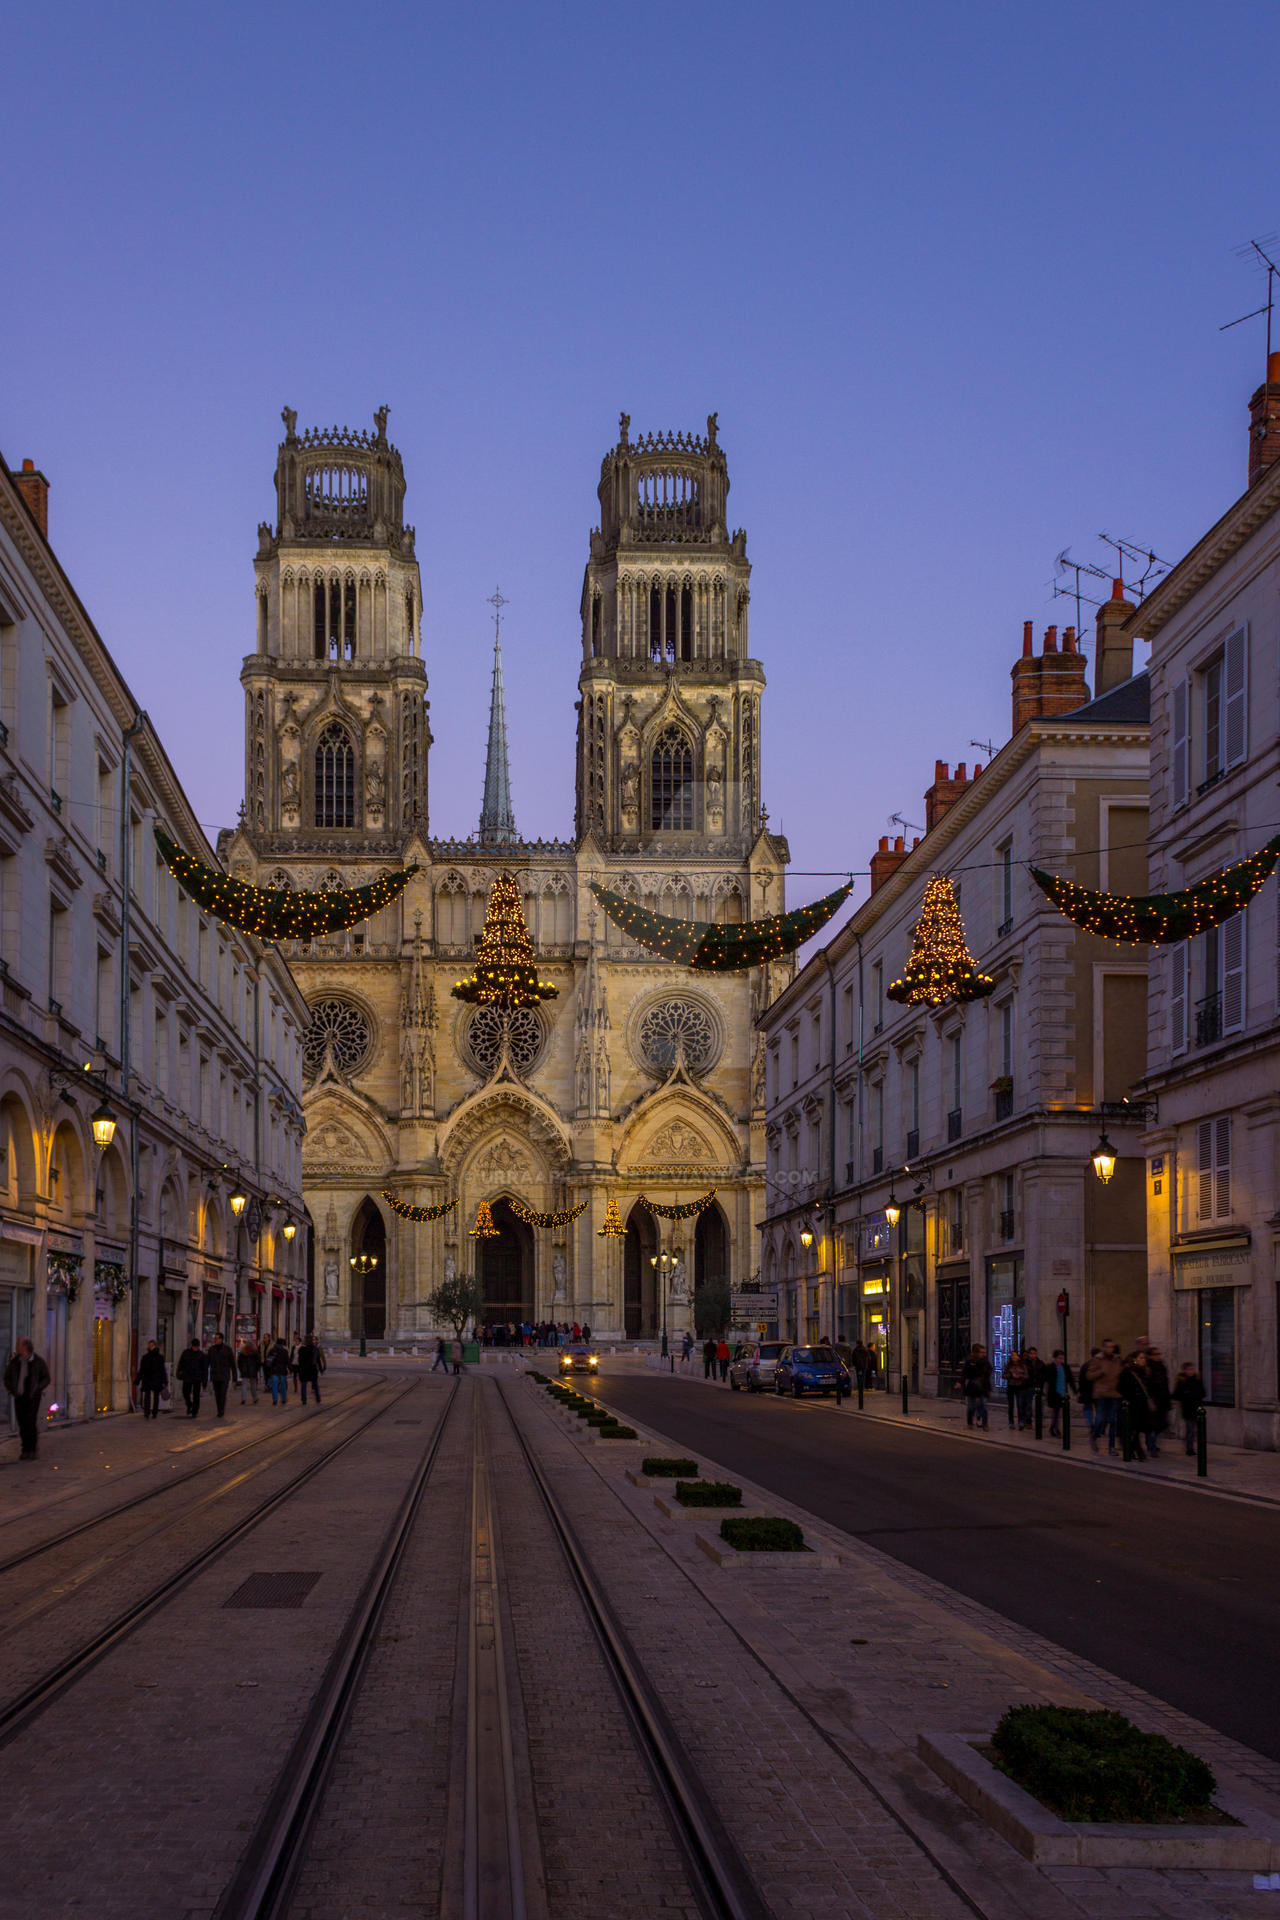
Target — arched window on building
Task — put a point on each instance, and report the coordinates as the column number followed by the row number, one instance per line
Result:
column 335, row 778
column 671, row 776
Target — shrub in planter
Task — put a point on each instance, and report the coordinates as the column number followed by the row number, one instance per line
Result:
column 708, row 1493
column 765, row 1534
column 617, row 1432
column 659, row 1468
column 1096, row 1765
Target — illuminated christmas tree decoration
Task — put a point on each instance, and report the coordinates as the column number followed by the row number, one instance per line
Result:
column 561, row 1219
column 940, row 967
column 613, row 1228
column 506, row 973
column 708, row 947
column 1158, row 919
column 273, row 913
column 484, row 1228
column 680, row 1213
column 406, row 1212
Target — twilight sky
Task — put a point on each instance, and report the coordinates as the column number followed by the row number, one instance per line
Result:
column 952, row 276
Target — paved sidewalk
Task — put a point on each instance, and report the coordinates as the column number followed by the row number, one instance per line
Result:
column 1240, row 1471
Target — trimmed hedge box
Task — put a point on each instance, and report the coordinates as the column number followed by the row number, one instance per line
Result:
column 1095, row 1765
column 765, row 1533
column 659, row 1468
column 708, row 1493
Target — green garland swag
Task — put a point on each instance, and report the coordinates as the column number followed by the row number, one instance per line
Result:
column 680, row 1213
column 1158, row 919
column 269, row 913
column 407, row 1212
column 708, row 947
column 547, row 1219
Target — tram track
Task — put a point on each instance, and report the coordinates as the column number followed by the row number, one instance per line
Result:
column 37, row 1697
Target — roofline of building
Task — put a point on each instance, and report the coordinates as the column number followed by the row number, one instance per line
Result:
column 1224, row 539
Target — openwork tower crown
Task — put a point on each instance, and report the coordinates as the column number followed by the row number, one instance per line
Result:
column 664, row 488
column 339, row 484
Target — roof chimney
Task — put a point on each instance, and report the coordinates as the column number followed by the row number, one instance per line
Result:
column 1052, row 684
column 1113, row 653
column 886, row 860
column 945, row 791
column 1264, row 422
column 34, row 489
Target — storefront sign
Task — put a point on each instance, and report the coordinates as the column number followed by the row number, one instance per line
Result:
column 1212, row 1267
column 246, row 1328
column 872, row 1286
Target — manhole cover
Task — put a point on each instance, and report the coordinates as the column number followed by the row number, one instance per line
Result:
column 273, row 1590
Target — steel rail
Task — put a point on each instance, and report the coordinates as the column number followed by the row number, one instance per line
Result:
column 166, row 1486
column 723, row 1888
column 35, row 1699
column 263, row 1882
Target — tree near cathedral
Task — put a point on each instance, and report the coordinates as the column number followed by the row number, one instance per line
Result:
column 456, row 1301
column 712, row 1310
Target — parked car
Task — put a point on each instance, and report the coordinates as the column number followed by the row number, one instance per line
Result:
column 753, row 1368
column 577, row 1357
column 802, row 1370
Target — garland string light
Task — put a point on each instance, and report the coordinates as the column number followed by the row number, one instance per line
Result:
column 560, row 1219
column 940, row 967
column 506, row 970
column 1157, row 919
column 407, row 1212
column 277, row 913
column 613, row 1228
column 708, row 947
column 680, row 1213
column 484, row 1228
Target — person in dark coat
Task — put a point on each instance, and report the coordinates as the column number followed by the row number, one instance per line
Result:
column 441, row 1362
column 311, row 1365
column 151, row 1379
column 248, row 1367
column 193, row 1371
column 278, row 1373
column 1015, row 1388
column 1059, row 1381
column 1157, row 1378
column 975, row 1384
column 1134, row 1395
column 222, row 1371
column 25, row 1379
column 1188, row 1393
column 709, row 1359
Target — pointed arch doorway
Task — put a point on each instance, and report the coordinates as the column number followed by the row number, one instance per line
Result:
column 504, row 1268
column 640, row 1280
column 711, row 1247
column 368, row 1289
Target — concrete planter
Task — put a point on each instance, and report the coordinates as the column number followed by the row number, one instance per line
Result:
column 676, row 1510
column 1252, row 1847
column 726, row 1556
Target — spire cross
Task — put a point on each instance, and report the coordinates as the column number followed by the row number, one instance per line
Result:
column 497, row 602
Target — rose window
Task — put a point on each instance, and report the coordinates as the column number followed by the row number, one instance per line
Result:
column 673, row 1026
column 338, row 1027
column 482, row 1039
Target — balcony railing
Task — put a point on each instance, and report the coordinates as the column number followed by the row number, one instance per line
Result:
column 1006, row 1224
column 913, row 1143
column 1004, row 1103
column 1212, row 781
column 1006, row 926
column 955, row 1123
column 1209, row 1020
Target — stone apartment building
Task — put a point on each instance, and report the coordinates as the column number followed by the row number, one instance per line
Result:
column 637, row 1078
column 1213, row 1150
column 977, row 1121
column 116, row 992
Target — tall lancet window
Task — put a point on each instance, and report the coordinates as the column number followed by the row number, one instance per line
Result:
column 335, row 778
column 672, row 782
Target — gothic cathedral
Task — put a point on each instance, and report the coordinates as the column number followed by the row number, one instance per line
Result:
column 640, row 1077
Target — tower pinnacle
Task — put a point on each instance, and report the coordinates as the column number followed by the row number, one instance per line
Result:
column 497, row 821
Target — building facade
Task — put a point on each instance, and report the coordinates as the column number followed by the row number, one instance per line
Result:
column 1213, row 1152
column 116, row 991
column 635, row 1078
column 976, row 1121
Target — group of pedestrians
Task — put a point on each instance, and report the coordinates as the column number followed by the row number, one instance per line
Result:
column 530, row 1333
column 275, row 1362
column 1108, row 1382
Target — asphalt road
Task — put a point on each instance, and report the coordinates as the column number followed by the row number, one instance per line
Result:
column 1173, row 1590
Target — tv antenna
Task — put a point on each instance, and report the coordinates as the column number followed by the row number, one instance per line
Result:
column 907, row 826
column 988, row 747
column 1151, row 563
column 1074, row 591
column 1255, row 252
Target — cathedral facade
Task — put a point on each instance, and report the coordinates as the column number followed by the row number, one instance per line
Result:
column 639, row 1077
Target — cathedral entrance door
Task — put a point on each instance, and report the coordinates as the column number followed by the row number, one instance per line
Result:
column 368, row 1270
column 505, row 1268
column 640, row 1279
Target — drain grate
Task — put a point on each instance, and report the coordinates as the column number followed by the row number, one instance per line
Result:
column 272, row 1590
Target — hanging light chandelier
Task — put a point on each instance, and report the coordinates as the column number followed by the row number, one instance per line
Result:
column 613, row 1228
column 484, row 1228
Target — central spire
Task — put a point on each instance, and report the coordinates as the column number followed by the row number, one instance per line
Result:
column 497, row 821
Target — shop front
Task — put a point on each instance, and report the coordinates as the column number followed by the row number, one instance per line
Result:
column 17, row 1296
column 1212, row 1295
column 875, row 1291
column 1006, row 1311
column 64, row 1264
column 955, row 1323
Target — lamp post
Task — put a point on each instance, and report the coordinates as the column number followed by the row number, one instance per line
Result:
column 362, row 1264
column 653, row 1262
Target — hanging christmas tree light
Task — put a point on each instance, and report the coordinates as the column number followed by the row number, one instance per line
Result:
column 484, row 1228
column 613, row 1228
column 506, row 972
column 941, row 967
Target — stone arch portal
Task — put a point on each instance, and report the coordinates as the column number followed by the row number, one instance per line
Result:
column 505, row 1268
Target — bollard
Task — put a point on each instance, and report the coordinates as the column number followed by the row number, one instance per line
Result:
column 1202, row 1445
column 364, row 1351
column 904, row 1393
column 1126, row 1432
column 1066, row 1423
column 1039, row 1412
column 860, row 1406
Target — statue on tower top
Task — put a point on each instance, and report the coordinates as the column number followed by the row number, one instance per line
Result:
column 624, row 429
column 380, row 421
column 290, row 417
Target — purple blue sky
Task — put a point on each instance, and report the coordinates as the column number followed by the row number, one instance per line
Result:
column 951, row 275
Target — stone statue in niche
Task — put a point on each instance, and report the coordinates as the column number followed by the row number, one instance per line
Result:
column 450, row 1269
column 331, row 1280
column 375, row 789
column 559, row 1273
column 679, row 1282
column 630, row 788
column 715, row 792
column 289, row 786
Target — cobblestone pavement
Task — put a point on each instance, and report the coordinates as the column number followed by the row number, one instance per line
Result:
column 872, row 1654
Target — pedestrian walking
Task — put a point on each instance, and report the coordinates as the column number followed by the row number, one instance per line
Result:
column 1134, row 1396
column 722, row 1357
column 25, row 1379
column 1015, row 1387
column 151, row 1380
column 1157, row 1379
column 456, row 1354
column 311, row 1364
column 193, row 1371
column 222, row 1371
column 709, row 1358
column 440, row 1363
column 278, row 1373
column 975, row 1384
column 1059, row 1381
column 248, row 1368
column 1084, row 1387
column 859, row 1362
column 1188, row 1393
column 1104, row 1371
column 686, row 1345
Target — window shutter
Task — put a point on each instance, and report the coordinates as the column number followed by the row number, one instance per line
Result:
column 1178, row 998
column 1235, row 696
column 1204, row 1164
column 1178, row 744
column 1222, row 1167
column 1233, row 947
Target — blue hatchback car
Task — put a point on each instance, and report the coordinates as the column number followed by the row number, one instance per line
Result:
column 802, row 1370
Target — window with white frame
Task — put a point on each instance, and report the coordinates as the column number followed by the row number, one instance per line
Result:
column 1005, row 1011
column 1004, row 875
column 877, row 1119
column 1213, row 1169
column 1208, row 730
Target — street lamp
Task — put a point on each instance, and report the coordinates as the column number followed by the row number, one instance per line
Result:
column 363, row 1263
column 893, row 1211
column 238, row 1200
column 806, row 1238
column 289, row 1228
column 1104, row 1159
column 103, row 1123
